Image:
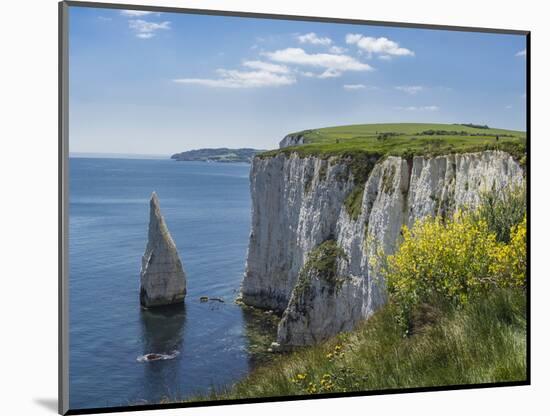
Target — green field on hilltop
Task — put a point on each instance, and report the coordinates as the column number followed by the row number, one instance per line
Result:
column 405, row 139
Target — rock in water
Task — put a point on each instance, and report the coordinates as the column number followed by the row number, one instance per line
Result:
column 163, row 279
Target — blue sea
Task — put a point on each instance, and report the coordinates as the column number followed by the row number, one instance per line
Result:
column 207, row 209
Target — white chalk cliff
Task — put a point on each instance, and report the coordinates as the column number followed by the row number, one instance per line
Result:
column 291, row 140
column 299, row 204
column 163, row 280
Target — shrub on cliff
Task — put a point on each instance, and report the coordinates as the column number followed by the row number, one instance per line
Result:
column 450, row 261
column 502, row 209
column 323, row 262
column 509, row 263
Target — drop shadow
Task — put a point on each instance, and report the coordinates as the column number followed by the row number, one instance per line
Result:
column 48, row 404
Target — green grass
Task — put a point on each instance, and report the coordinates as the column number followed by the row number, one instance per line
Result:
column 404, row 139
column 482, row 343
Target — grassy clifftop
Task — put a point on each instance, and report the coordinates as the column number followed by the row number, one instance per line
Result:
column 405, row 139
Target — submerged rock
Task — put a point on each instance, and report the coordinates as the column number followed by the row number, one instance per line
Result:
column 153, row 356
column 204, row 299
column 163, row 280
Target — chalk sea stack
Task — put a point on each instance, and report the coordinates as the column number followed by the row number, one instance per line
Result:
column 163, row 280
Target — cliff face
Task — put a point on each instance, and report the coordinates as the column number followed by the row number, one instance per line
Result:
column 298, row 204
column 291, row 140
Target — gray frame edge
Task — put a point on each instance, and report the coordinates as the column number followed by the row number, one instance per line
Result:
column 63, row 191
column 257, row 15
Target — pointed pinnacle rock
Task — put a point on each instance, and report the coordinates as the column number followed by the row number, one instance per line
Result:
column 163, row 279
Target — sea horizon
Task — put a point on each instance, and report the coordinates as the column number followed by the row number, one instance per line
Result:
column 99, row 155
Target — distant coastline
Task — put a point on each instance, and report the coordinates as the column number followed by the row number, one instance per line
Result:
column 220, row 155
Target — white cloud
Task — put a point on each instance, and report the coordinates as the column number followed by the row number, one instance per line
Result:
column 241, row 79
column 134, row 13
column 410, row 89
column 146, row 35
column 421, row 108
column 354, row 86
column 146, row 30
column 281, row 69
column 385, row 57
column 523, row 52
column 333, row 64
column 383, row 46
column 267, row 66
column 313, row 39
column 364, row 87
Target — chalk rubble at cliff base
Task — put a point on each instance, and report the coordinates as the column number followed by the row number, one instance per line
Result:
column 299, row 203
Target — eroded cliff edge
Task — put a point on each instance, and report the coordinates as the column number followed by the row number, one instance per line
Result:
column 304, row 206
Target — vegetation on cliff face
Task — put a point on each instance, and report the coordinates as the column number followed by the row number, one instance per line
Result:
column 323, row 262
column 360, row 166
column 405, row 139
column 353, row 201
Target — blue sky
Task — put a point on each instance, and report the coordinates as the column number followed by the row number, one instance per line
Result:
column 159, row 83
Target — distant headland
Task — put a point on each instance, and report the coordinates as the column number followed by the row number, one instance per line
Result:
column 218, row 155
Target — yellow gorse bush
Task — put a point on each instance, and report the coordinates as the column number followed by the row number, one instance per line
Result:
column 453, row 259
column 510, row 260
